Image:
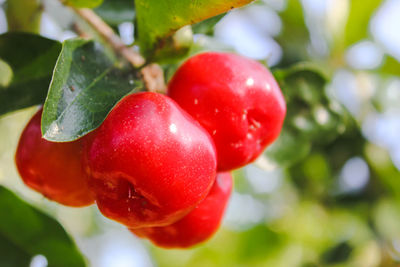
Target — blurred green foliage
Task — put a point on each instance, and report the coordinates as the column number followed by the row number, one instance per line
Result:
column 25, row 19
column 319, row 222
column 44, row 236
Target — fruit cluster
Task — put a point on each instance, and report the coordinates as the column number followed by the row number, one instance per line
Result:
column 160, row 164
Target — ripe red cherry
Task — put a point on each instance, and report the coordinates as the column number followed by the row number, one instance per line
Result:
column 53, row 169
column 237, row 100
column 199, row 225
column 150, row 162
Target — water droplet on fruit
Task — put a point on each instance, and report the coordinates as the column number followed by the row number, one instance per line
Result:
column 250, row 82
column 129, row 192
column 173, row 128
column 237, row 145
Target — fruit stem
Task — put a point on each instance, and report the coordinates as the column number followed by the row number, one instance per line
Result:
column 153, row 78
column 107, row 33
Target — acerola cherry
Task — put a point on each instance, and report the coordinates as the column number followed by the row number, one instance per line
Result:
column 53, row 169
column 237, row 100
column 199, row 225
column 149, row 163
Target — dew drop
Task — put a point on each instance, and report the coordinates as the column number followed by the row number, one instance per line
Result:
column 250, row 82
column 173, row 128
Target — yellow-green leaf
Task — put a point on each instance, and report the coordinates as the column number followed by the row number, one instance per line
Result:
column 157, row 19
column 83, row 3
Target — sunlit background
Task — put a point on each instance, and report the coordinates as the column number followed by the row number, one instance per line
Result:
column 327, row 192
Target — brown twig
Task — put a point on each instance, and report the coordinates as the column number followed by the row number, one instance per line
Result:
column 77, row 28
column 110, row 37
column 152, row 74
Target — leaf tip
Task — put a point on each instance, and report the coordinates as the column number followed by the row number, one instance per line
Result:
column 52, row 132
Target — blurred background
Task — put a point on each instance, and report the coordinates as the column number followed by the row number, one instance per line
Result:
column 327, row 192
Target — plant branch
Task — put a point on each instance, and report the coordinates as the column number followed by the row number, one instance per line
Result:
column 152, row 74
column 110, row 37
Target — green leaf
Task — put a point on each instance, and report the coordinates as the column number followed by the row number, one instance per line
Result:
column 391, row 66
column 255, row 243
column 306, row 66
column 175, row 47
column 288, row 148
column 156, row 20
column 86, row 85
column 26, row 232
column 294, row 37
column 26, row 19
column 339, row 253
column 303, row 82
column 207, row 26
column 13, row 255
column 310, row 112
column 31, row 59
column 5, row 74
column 360, row 14
column 115, row 12
column 311, row 117
column 82, row 3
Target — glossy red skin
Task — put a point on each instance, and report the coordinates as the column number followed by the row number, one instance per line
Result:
column 199, row 225
column 53, row 169
column 149, row 163
column 236, row 99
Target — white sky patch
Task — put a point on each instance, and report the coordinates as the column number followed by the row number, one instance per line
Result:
column 262, row 181
column 364, row 55
column 243, row 212
column 3, row 21
column 250, row 32
column 354, row 175
column 385, row 27
column 38, row 261
column 126, row 32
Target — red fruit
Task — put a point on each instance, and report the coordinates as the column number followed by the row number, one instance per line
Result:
column 53, row 169
column 150, row 163
column 199, row 225
column 237, row 100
